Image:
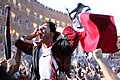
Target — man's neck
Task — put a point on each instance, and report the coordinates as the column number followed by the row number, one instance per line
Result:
column 47, row 45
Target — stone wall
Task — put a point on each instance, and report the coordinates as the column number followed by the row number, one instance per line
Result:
column 28, row 14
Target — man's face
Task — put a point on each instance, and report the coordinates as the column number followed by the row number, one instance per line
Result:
column 47, row 33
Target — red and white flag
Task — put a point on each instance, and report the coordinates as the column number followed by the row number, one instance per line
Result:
column 99, row 32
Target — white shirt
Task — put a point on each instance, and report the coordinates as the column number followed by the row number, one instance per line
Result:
column 45, row 69
column 45, row 56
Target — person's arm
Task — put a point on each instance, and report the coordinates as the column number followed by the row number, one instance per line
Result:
column 36, row 33
column 23, row 44
column 109, row 75
column 76, row 8
column 14, row 63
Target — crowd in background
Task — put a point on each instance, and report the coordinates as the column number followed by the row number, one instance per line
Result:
column 83, row 68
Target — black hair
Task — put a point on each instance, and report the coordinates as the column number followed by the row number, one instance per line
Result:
column 53, row 29
column 52, row 26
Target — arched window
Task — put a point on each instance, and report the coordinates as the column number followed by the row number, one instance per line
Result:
column 47, row 19
column 63, row 24
column 53, row 20
column 28, row 0
column 19, row 5
column 40, row 17
column 1, row 10
column 28, row 10
column 34, row 25
column 13, row 16
column 35, row 14
column 14, row 2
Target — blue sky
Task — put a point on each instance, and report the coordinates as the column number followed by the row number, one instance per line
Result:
column 108, row 7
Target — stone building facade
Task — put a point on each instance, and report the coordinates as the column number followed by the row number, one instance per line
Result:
column 27, row 15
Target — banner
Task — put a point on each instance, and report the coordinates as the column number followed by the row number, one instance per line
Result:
column 99, row 32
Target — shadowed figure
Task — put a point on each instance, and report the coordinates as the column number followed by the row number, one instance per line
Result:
column 79, row 9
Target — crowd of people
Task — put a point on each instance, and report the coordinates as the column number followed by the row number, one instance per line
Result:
column 19, row 66
column 52, row 57
column 82, row 69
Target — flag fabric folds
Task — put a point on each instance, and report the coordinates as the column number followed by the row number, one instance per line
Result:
column 99, row 32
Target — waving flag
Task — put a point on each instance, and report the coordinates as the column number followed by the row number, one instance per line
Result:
column 99, row 32
column 7, row 33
